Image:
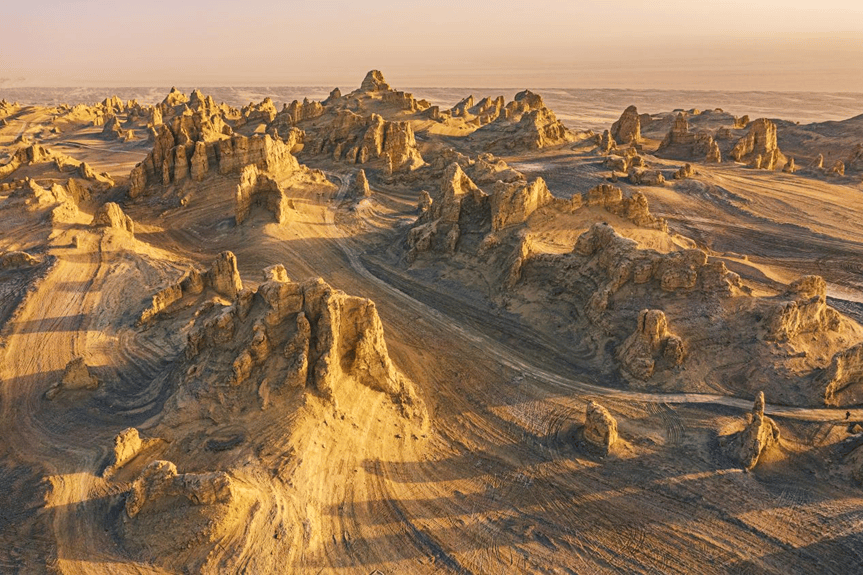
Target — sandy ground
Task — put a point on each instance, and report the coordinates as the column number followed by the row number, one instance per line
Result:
column 498, row 484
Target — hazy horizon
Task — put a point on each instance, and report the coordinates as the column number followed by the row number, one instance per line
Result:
column 740, row 46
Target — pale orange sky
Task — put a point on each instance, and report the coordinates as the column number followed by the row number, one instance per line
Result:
column 675, row 44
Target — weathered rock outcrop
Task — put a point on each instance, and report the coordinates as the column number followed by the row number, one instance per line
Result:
column 374, row 82
column 76, row 376
column 360, row 186
column 759, row 147
column 176, row 157
column 806, row 312
column 759, row 435
column 17, row 259
column 512, row 204
column 299, row 335
column 627, row 130
column 127, row 445
column 854, row 162
column 358, row 139
column 223, row 272
column 682, row 144
column 600, row 428
column 634, row 207
column 111, row 215
column 160, row 480
column 458, row 200
column 651, row 343
column 523, row 124
column 256, row 188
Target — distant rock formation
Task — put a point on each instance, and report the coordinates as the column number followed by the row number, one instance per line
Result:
column 160, row 480
column 374, row 82
column 256, row 188
column 651, row 342
column 790, row 167
column 854, row 162
column 627, row 130
column 759, row 435
column 600, row 428
column 170, row 162
column 111, row 215
column 759, row 147
column 358, row 139
column 523, row 124
column 76, row 376
column 681, row 144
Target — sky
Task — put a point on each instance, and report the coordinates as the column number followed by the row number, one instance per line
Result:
column 674, row 44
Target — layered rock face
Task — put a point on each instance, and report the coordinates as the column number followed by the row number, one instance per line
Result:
column 627, row 130
column 759, row 435
column 651, row 342
column 357, row 139
column 759, row 147
column 374, row 82
column 512, row 204
column 633, row 208
column 222, row 277
column 842, row 380
column 459, row 200
column 160, row 480
column 600, row 428
column 260, row 189
column 175, row 158
column 297, row 335
column 127, row 445
column 111, row 215
column 806, row 312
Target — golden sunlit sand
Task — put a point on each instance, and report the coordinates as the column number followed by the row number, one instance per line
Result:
column 375, row 334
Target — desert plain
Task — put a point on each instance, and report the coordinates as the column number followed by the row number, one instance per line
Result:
column 378, row 333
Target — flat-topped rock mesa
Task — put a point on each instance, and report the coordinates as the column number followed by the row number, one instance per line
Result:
column 650, row 345
column 172, row 162
column 523, row 124
column 287, row 336
column 160, row 481
column 222, row 277
column 360, row 139
column 681, row 144
column 256, row 188
column 600, row 428
column 757, row 438
column 627, row 129
column 759, row 147
column 111, row 215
